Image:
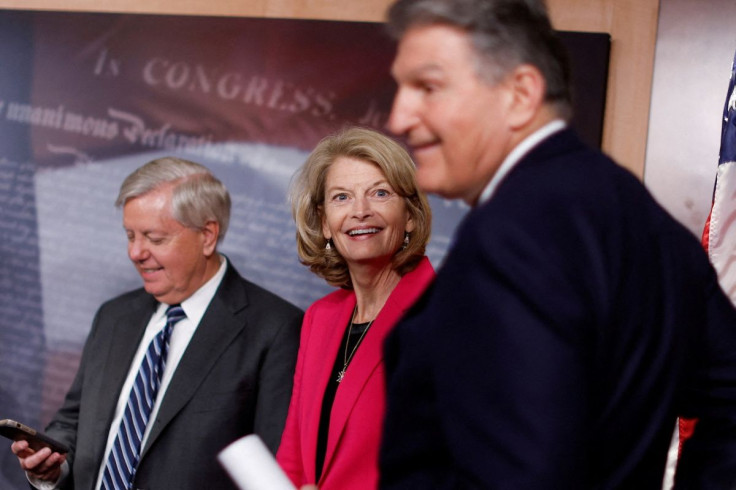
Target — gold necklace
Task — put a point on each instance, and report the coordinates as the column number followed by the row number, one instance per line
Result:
column 346, row 359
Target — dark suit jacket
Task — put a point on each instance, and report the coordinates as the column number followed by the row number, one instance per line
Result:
column 235, row 378
column 572, row 321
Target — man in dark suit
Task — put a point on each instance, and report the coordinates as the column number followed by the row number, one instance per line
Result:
column 230, row 356
column 573, row 319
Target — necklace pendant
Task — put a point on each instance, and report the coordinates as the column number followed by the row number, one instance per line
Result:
column 340, row 375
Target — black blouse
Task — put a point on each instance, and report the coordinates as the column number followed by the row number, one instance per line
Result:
column 351, row 336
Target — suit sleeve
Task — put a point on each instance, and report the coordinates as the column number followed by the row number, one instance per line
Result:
column 275, row 380
column 63, row 426
column 709, row 457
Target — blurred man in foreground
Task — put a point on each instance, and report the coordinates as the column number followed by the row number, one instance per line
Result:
column 573, row 319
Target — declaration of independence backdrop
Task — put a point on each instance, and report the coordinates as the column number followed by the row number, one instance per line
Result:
column 86, row 98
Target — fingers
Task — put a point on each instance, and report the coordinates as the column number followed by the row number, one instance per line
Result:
column 21, row 449
column 30, row 460
column 43, row 464
column 50, row 469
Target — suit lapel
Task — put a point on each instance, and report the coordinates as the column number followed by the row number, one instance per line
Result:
column 328, row 330
column 221, row 323
column 126, row 333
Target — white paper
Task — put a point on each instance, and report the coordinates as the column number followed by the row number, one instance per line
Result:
column 252, row 466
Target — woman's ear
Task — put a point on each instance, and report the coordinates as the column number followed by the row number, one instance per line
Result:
column 410, row 225
column 325, row 229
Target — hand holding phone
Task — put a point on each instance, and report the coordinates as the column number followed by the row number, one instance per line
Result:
column 36, row 440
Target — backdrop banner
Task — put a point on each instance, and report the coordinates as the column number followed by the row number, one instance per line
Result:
column 86, row 98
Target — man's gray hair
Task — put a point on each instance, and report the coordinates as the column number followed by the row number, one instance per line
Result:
column 504, row 34
column 197, row 195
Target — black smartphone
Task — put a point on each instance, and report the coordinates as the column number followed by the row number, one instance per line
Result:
column 36, row 440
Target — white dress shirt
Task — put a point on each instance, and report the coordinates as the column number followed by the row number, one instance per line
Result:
column 516, row 154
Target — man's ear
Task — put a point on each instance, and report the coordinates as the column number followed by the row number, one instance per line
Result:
column 210, row 232
column 528, row 87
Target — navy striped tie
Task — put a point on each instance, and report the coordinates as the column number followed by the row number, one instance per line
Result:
column 123, row 459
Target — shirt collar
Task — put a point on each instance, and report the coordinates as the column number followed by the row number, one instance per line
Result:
column 516, row 155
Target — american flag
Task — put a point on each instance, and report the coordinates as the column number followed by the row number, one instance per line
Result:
column 719, row 235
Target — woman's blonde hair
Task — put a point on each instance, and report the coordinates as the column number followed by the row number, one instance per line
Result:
column 308, row 196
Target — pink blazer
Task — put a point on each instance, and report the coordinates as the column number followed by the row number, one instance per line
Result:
column 351, row 460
